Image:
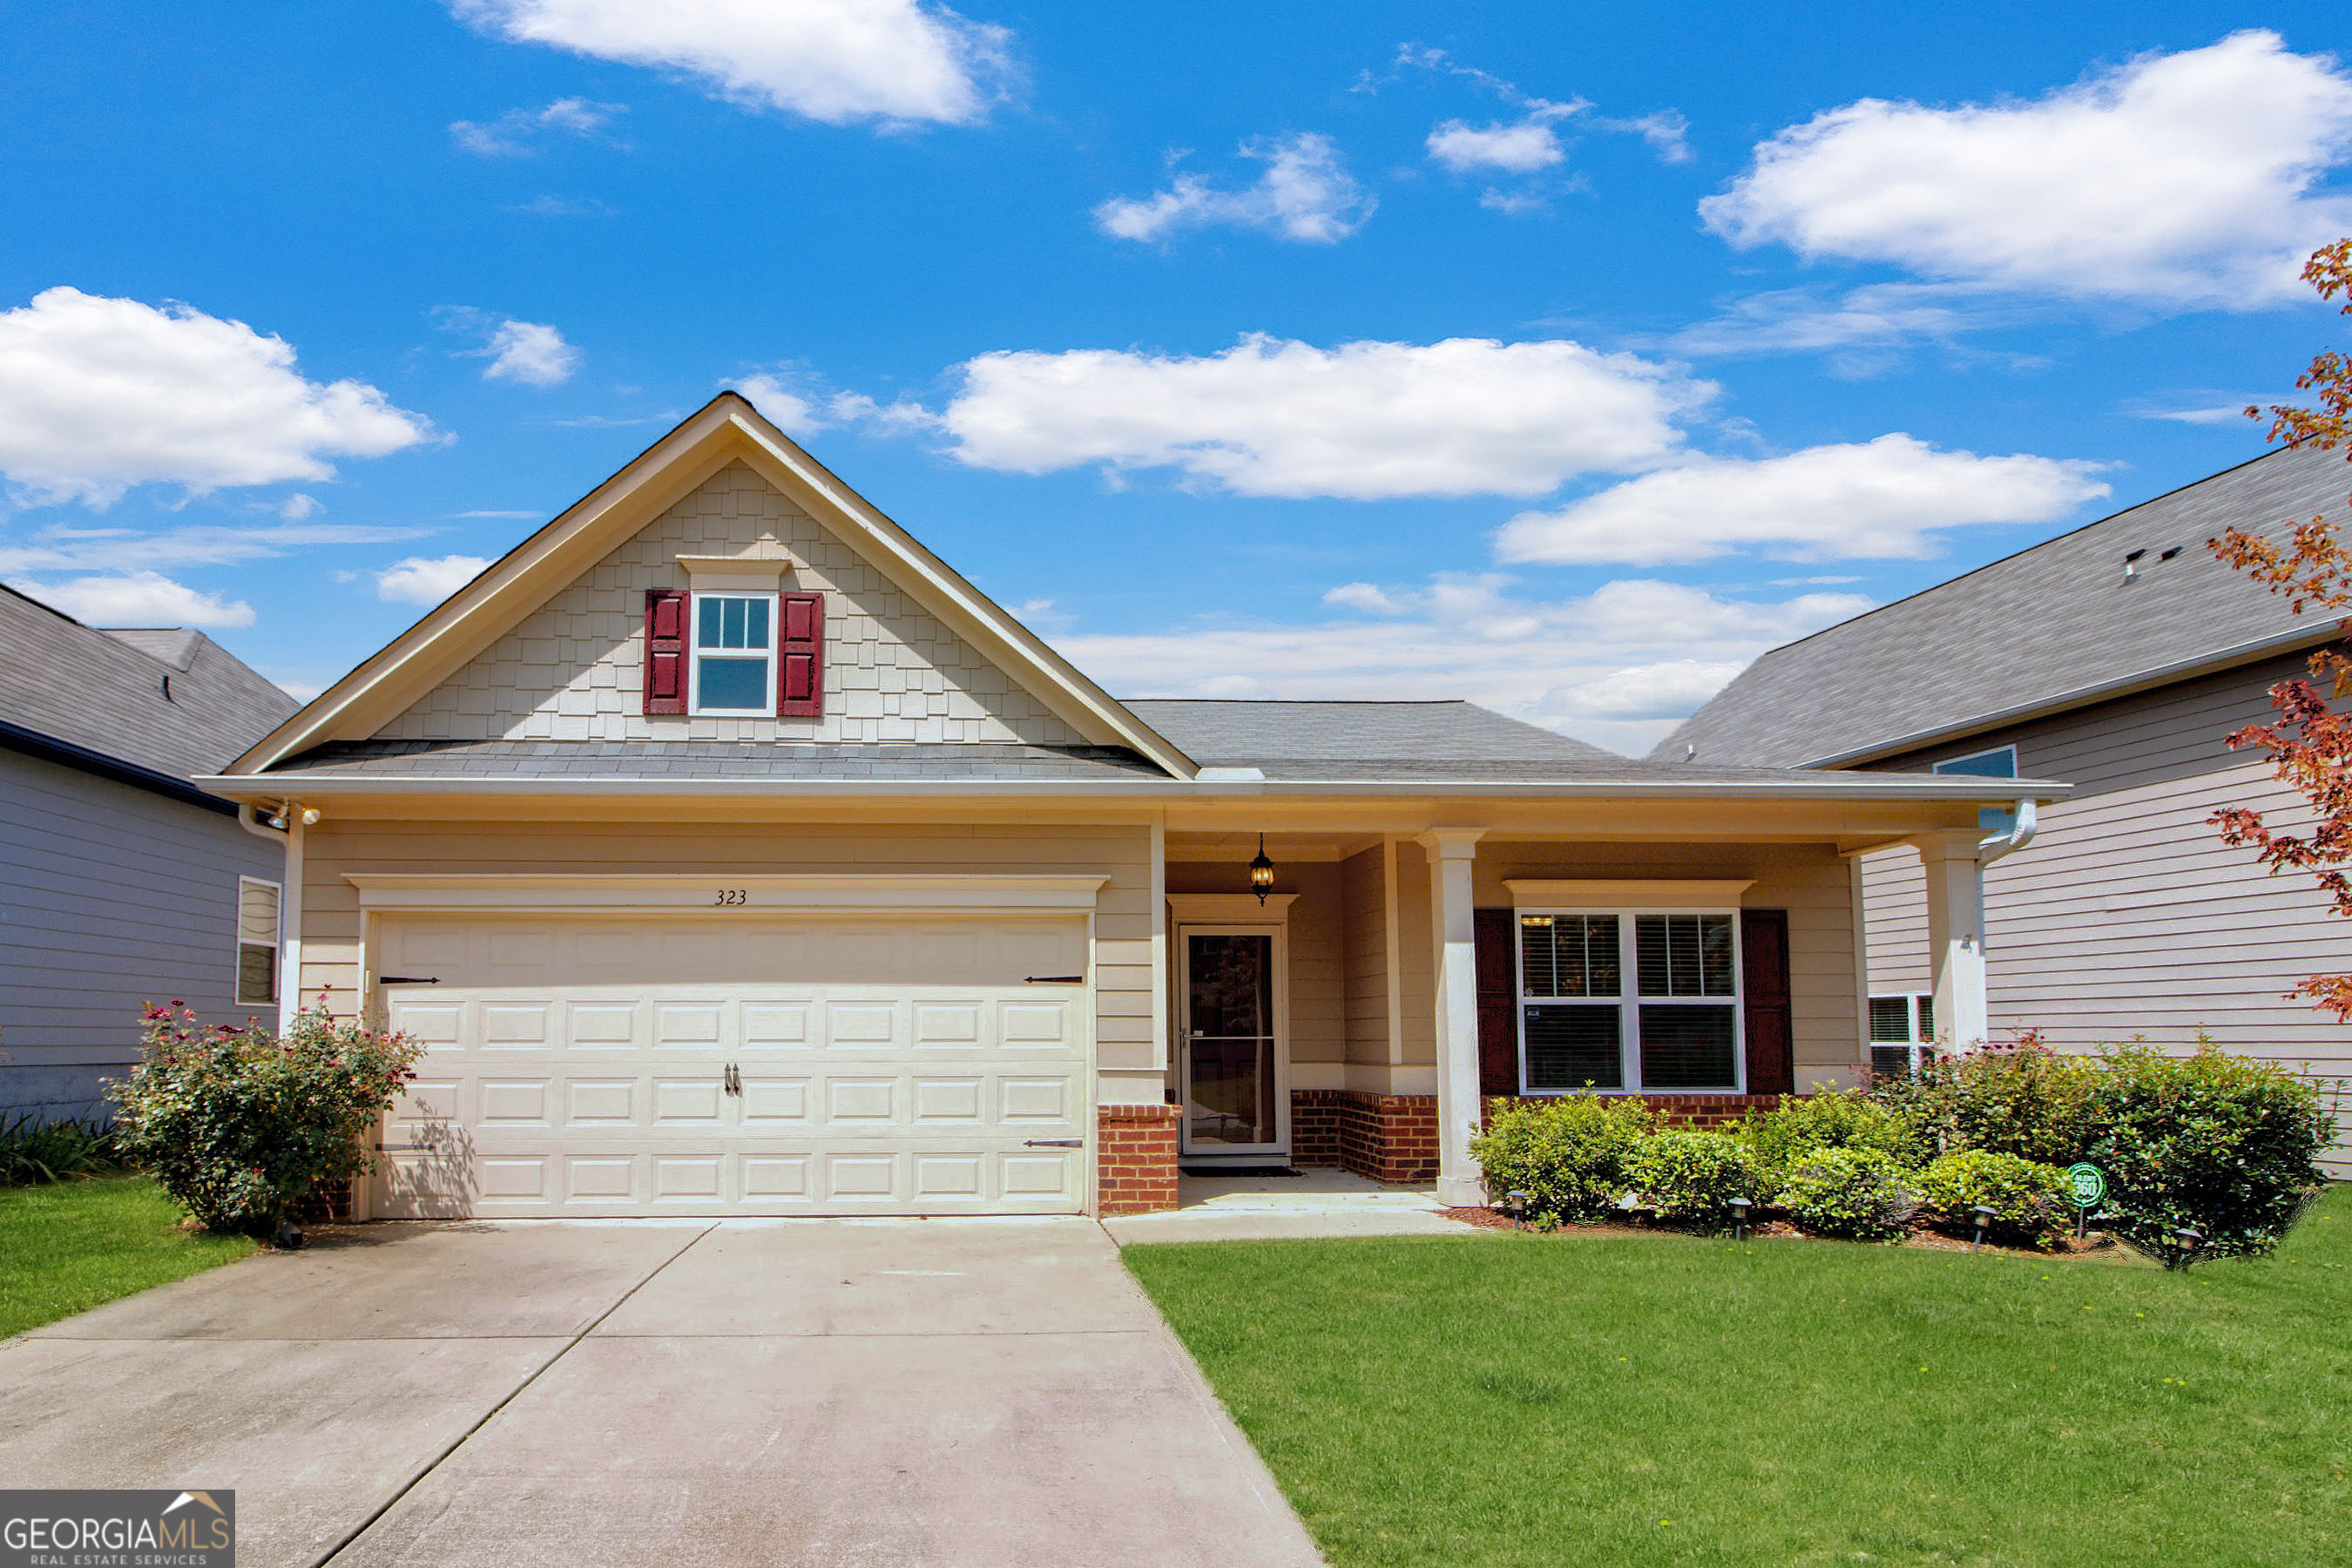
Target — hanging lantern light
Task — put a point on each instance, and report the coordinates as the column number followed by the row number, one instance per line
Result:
column 1261, row 872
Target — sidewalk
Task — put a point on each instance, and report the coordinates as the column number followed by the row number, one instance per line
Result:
column 1315, row 1203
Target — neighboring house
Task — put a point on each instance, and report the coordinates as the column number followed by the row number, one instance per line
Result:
column 731, row 854
column 2117, row 657
column 120, row 882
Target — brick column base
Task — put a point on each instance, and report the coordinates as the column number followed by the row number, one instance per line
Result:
column 1136, row 1156
column 1383, row 1137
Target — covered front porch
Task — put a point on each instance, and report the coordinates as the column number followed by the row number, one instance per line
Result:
column 1355, row 1010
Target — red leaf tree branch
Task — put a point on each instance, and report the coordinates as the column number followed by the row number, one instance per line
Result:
column 2309, row 742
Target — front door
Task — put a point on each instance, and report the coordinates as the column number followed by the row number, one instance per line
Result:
column 1232, row 1030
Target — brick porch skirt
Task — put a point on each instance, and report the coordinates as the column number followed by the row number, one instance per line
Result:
column 1384, row 1137
column 1137, row 1153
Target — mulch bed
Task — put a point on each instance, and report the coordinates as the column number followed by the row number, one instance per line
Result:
column 1775, row 1230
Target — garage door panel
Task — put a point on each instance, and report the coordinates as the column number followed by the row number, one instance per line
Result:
column 582, row 1066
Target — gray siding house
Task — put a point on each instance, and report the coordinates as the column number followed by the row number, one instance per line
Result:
column 2115, row 658
column 120, row 882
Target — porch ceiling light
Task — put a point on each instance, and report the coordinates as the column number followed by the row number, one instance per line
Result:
column 1261, row 872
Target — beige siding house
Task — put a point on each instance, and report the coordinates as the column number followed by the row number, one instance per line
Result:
column 731, row 854
column 2116, row 657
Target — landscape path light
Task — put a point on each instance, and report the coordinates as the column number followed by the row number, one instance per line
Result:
column 1739, row 1207
column 1984, row 1217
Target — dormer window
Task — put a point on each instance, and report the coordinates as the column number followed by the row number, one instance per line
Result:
column 734, row 654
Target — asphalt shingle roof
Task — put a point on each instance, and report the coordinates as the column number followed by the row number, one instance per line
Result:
column 104, row 690
column 2058, row 618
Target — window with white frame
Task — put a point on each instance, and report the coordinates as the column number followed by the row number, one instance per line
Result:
column 1628, row 1000
column 1902, row 1032
column 734, row 645
column 257, row 942
column 2000, row 763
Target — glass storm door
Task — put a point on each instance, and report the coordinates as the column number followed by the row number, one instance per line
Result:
column 1230, row 1043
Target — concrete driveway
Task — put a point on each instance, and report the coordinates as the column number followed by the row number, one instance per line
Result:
column 816, row 1392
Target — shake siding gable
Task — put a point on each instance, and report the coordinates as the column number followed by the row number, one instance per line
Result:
column 574, row 669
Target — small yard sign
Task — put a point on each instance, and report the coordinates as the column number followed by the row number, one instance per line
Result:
column 2087, row 1185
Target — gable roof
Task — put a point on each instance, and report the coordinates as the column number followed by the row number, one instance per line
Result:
column 727, row 429
column 2047, row 628
column 1384, row 739
column 103, row 692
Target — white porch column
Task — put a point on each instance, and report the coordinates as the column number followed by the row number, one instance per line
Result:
column 1454, row 932
column 1956, row 936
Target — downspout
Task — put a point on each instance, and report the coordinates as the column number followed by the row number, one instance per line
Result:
column 2022, row 830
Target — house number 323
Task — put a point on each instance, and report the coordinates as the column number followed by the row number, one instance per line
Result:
column 728, row 895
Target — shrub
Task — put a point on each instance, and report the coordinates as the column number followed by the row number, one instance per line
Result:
column 1801, row 1124
column 2021, row 1099
column 1856, row 1192
column 2227, row 1146
column 1687, row 1174
column 35, row 1150
column 1570, row 1154
column 239, row 1126
column 2028, row 1198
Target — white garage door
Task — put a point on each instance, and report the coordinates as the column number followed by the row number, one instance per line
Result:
column 636, row 1065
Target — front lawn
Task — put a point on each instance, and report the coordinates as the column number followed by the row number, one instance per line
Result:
column 67, row 1247
column 1500, row 1400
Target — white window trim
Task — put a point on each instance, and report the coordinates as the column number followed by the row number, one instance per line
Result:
column 694, row 706
column 238, row 943
column 1916, row 1042
column 1951, row 764
column 1629, row 999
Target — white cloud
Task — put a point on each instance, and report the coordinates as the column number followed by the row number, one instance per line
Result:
column 1361, row 421
column 100, row 395
column 1878, row 316
column 123, row 550
column 2186, row 179
column 1306, row 194
column 1619, row 667
column 140, row 599
column 531, row 353
column 298, row 508
column 833, row 60
column 1523, row 146
column 1878, row 499
column 421, row 581
column 519, row 132
column 1666, row 129
column 800, row 403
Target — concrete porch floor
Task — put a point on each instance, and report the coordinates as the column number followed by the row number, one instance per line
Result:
column 1315, row 1203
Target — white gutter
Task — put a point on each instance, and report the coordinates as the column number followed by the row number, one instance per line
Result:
column 1843, row 786
column 2021, row 833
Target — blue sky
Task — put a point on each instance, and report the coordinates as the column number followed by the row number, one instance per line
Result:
column 1563, row 357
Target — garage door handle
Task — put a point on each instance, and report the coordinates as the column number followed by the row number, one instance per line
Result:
column 1053, row 979
column 1054, row 1143
column 408, row 980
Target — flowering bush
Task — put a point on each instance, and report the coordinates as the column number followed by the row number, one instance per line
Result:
column 240, row 1125
column 2028, row 1199
column 1863, row 1194
column 1688, row 1174
column 1569, row 1155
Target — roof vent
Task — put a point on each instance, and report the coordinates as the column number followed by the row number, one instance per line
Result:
column 2171, row 553
column 2131, row 565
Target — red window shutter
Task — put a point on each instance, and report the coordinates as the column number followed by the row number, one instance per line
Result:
column 800, row 656
column 665, row 650
column 1764, row 988
column 1497, row 972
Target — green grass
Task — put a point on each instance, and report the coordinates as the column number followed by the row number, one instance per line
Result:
column 67, row 1247
column 1525, row 1400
